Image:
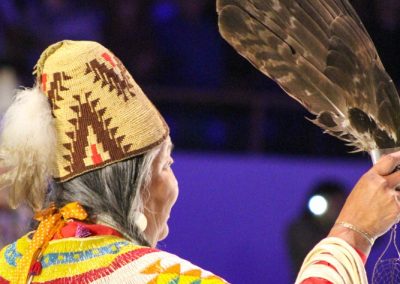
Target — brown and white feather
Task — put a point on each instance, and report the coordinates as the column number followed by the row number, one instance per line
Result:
column 320, row 53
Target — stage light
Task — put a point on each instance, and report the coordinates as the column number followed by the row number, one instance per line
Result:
column 318, row 205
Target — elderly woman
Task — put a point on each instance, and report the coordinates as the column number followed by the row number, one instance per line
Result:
column 88, row 130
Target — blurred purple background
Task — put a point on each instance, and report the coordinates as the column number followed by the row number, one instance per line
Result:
column 246, row 158
column 233, row 211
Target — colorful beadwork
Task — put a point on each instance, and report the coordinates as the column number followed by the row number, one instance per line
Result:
column 104, row 259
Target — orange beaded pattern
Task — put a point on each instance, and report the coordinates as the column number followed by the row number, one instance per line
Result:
column 52, row 221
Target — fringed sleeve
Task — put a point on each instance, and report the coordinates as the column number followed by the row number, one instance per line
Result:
column 333, row 260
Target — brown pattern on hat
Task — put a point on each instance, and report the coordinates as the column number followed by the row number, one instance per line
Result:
column 56, row 86
column 102, row 143
column 115, row 79
column 101, row 114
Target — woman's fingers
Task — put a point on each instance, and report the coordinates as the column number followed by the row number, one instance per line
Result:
column 374, row 204
column 393, row 180
column 387, row 164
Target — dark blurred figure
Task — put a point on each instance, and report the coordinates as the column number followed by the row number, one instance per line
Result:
column 321, row 209
column 189, row 44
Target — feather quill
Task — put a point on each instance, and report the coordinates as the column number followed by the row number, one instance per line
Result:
column 320, row 53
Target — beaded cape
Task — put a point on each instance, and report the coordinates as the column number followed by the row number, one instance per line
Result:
column 104, row 259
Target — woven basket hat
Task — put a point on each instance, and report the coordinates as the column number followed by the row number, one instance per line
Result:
column 100, row 115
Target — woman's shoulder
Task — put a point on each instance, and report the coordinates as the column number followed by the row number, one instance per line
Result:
column 139, row 264
column 105, row 259
column 116, row 258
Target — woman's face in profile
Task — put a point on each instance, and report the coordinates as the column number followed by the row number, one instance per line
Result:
column 163, row 192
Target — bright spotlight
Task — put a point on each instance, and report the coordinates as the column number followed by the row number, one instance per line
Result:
column 318, row 205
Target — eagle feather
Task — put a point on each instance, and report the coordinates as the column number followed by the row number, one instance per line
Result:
column 320, row 53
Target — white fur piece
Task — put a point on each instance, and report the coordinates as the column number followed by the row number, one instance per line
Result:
column 27, row 144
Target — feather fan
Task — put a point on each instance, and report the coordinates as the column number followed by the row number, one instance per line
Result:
column 320, row 53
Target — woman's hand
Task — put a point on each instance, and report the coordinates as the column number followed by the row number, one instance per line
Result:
column 373, row 206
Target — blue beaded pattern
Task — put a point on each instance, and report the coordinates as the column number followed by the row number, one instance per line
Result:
column 50, row 259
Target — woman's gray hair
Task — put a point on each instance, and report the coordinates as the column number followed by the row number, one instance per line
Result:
column 112, row 195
